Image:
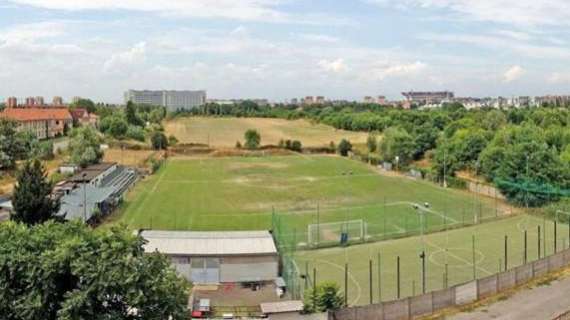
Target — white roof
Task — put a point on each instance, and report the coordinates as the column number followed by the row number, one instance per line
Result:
column 209, row 243
column 282, row 306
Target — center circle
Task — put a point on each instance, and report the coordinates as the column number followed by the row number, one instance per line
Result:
column 456, row 257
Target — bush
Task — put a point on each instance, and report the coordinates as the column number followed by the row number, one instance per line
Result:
column 158, row 141
column 136, row 133
column 252, row 139
column 344, row 147
column 172, row 141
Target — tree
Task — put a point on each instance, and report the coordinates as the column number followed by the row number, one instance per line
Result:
column 344, row 147
column 326, row 297
column 117, row 127
column 158, row 141
column 397, row 145
column 32, row 198
column 296, row 146
column 68, row 271
column 131, row 115
column 8, row 144
column 85, row 104
column 252, row 139
column 520, row 155
column 172, row 140
column 84, row 146
column 372, row 143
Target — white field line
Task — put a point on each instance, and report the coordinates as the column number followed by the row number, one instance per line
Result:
column 350, row 275
column 469, row 263
column 299, row 179
column 152, row 190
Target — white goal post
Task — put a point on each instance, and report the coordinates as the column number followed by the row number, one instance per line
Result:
column 331, row 232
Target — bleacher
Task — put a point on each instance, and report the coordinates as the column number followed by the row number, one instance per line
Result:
column 120, row 180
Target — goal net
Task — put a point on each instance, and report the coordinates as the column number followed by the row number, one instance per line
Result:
column 336, row 232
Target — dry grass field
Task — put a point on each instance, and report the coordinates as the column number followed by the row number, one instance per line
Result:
column 224, row 132
column 132, row 158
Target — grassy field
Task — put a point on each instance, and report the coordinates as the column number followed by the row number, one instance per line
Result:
column 454, row 248
column 224, row 132
column 240, row 193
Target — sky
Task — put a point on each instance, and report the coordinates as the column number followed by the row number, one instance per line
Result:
column 282, row 49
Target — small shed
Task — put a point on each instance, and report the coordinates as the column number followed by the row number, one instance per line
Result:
column 282, row 309
column 218, row 257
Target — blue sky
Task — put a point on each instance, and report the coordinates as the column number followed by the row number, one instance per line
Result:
column 280, row 49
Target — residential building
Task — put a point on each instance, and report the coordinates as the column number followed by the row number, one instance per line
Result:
column 428, row 97
column 377, row 100
column 30, row 101
column 83, row 117
column 217, row 257
column 171, row 100
column 39, row 101
column 320, row 100
column 57, row 101
column 308, row 100
column 75, row 99
column 43, row 122
column 11, row 102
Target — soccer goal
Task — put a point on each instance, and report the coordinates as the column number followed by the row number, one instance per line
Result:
column 336, row 232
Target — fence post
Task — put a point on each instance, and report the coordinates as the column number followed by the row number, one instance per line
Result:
column 370, row 280
column 506, row 254
column 525, row 259
column 555, row 236
column 474, row 262
column 538, row 238
column 346, row 284
column 379, row 278
column 398, row 276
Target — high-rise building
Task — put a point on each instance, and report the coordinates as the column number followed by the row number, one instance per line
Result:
column 30, row 101
column 171, row 100
column 57, row 101
column 11, row 102
column 39, row 101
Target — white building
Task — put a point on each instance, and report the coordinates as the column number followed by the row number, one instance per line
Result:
column 217, row 257
column 171, row 100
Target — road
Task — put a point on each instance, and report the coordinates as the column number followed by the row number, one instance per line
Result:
column 542, row 302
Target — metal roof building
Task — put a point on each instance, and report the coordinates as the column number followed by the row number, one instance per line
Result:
column 218, row 257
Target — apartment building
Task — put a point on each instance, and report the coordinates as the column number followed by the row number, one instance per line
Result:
column 171, row 100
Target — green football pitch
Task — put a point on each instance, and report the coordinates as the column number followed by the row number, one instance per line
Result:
column 464, row 258
column 243, row 193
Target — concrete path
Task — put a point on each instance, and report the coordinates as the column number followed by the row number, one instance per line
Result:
column 542, row 302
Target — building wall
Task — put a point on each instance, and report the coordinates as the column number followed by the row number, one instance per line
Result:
column 232, row 268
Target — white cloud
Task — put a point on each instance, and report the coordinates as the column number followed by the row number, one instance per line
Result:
column 314, row 37
column 401, row 70
column 515, row 12
column 513, row 73
column 247, row 10
column 559, row 78
column 335, row 66
column 123, row 61
column 497, row 42
column 32, row 31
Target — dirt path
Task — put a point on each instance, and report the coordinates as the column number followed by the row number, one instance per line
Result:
column 542, row 302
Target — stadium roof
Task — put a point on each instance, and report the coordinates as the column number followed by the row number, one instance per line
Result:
column 209, row 243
